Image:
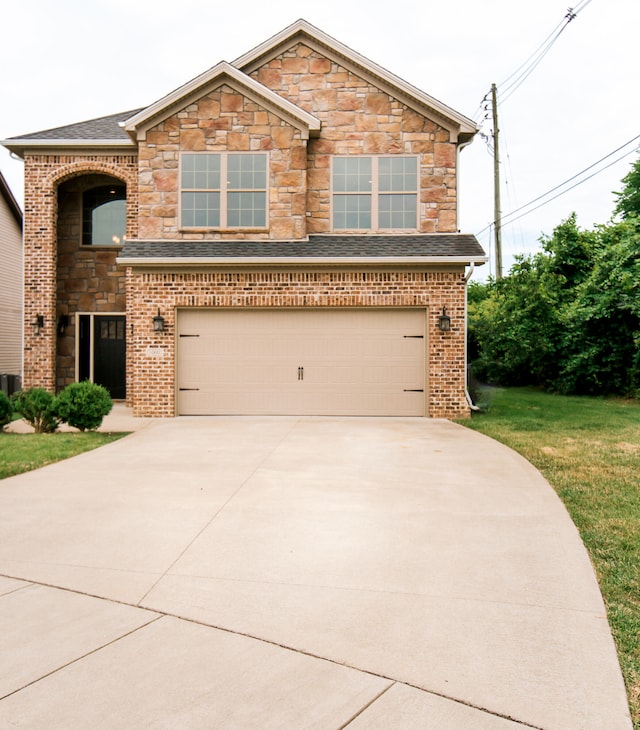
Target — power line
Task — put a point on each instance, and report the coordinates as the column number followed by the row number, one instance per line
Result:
column 512, row 83
column 561, row 185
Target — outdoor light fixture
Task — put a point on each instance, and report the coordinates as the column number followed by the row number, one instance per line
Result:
column 444, row 321
column 158, row 322
column 38, row 323
column 63, row 323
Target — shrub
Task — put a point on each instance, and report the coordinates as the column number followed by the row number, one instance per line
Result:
column 83, row 405
column 6, row 409
column 36, row 406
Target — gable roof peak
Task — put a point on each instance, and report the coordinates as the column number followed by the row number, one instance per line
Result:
column 461, row 128
column 222, row 72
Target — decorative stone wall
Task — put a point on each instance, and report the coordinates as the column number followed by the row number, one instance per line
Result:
column 152, row 355
column 43, row 175
column 359, row 119
column 223, row 120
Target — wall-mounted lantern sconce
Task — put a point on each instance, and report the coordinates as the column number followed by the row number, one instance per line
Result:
column 38, row 323
column 158, row 322
column 63, row 323
column 444, row 321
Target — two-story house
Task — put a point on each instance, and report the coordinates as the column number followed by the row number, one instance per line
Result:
column 277, row 236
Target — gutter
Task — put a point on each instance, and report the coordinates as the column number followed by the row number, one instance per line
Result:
column 19, row 146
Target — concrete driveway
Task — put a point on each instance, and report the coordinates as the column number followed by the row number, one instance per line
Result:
column 299, row 573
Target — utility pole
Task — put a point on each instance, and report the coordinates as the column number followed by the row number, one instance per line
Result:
column 497, row 215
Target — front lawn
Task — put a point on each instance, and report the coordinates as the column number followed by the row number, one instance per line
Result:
column 24, row 452
column 589, row 451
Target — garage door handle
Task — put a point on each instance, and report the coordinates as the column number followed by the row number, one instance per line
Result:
column 413, row 337
column 413, row 390
column 181, row 389
column 300, row 373
column 189, row 335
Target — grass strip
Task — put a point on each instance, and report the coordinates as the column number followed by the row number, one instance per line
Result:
column 24, row 452
column 588, row 449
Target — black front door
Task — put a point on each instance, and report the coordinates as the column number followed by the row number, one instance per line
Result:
column 108, row 365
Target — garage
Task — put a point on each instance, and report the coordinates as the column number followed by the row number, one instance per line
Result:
column 355, row 362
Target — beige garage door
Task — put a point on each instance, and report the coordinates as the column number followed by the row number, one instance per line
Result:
column 301, row 362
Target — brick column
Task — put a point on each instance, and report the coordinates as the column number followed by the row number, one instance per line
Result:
column 40, row 218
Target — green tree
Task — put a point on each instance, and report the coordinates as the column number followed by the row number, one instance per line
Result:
column 567, row 318
column 628, row 204
column 601, row 342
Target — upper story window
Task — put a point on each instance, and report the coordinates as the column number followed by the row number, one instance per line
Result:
column 104, row 215
column 224, row 190
column 375, row 193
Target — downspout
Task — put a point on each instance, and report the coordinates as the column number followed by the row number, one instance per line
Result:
column 467, row 395
column 466, row 366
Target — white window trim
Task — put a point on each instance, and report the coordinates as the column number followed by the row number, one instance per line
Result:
column 224, row 156
column 375, row 196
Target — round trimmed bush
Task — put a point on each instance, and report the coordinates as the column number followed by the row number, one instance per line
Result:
column 83, row 405
column 6, row 409
column 36, row 406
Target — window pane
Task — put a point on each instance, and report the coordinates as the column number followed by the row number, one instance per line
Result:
column 397, row 174
column 201, row 210
column 397, row 211
column 247, row 172
column 108, row 223
column 104, row 215
column 352, row 212
column 247, row 210
column 201, row 172
column 351, row 174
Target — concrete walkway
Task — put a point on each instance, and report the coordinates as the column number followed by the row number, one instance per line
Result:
column 299, row 573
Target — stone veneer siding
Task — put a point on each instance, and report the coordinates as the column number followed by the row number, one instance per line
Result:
column 152, row 392
column 359, row 119
column 43, row 174
column 223, row 120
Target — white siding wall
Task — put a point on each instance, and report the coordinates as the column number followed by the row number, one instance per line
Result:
column 10, row 292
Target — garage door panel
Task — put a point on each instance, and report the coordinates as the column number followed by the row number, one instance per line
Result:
column 291, row 362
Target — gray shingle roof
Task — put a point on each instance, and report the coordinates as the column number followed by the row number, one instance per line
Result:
column 102, row 128
column 431, row 246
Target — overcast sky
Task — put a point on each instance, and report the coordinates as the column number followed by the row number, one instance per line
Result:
column 74, row 60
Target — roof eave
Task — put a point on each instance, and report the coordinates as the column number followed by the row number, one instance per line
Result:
column 12, row 203
column 19, row 146
column 223, row 71
column 244, row 261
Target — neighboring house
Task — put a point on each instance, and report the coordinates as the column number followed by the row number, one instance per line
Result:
column 10, row 290
column 277, row 236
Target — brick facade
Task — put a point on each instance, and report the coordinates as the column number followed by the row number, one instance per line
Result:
column 153, row 390
column 48, row 260
column 357, row 117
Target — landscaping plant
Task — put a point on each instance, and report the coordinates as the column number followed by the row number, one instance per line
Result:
column 6, row 410
column 83, row 405
column 36, row 406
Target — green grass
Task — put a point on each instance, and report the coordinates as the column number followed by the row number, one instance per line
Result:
column 25, row 452
column 589, row 451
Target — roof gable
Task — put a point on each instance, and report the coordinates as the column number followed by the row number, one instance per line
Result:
column 461, row 128
column 221, row 74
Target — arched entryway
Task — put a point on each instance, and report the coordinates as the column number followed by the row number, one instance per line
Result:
column 91, row 293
